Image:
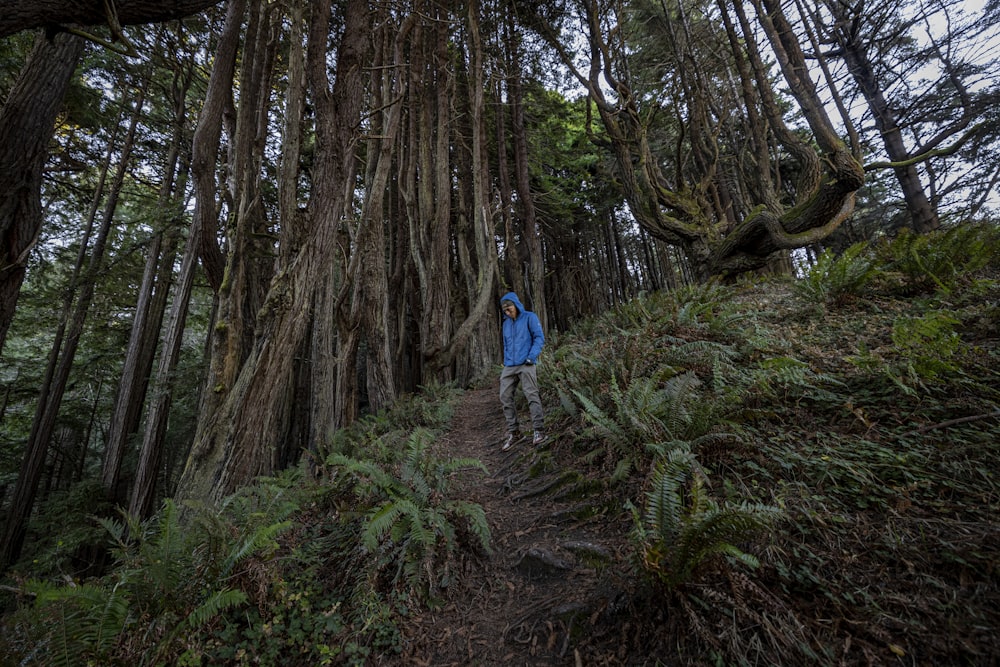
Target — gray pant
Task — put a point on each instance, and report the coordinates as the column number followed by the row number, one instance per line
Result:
column 527, row 376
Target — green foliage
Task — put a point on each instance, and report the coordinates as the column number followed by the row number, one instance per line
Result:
column 787, row 378
column 412, row 526
column 86, row 621
column 833, row 279
column 380, row 437
column 66, row 527
column 682, row 528
column 937, row 260
column 926, row 351
column 928, row 344
column 654, row 415
column 170, row 578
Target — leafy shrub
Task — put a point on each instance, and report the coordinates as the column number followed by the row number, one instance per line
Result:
column 166, row 583
column 833, row 279
column 682, row 528
column 936, row 260
column 412, row 526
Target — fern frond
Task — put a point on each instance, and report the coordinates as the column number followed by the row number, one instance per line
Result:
column 211, row 607
column 664, row 498
column 261, row 537
column 380, row 522
column 477, row 523
column 90, row 618
column 834, row 278
column 605, row 425
column 682, row 527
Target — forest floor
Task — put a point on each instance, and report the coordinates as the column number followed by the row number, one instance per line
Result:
column 886, row 555
column 550, row 576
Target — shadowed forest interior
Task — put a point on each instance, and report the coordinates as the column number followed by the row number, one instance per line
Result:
column 252, row 259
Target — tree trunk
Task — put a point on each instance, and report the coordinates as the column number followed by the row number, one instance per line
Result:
column 21, row 15
column 147, row 320
column 151, row 451
column 532, row 233
column 52, row 393
column 238, row 441
column 205, row 144
column 426, row 188
column 26, row 123
column 475, row 336
column 135, row 374
column 923, row 214
column 369, row 301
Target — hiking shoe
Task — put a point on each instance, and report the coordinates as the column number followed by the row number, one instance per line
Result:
column 538, row 439
column 509, row 442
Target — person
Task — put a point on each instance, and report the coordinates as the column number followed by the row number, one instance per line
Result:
column 522, row 343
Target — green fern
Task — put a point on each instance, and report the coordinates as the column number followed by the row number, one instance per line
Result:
column 606, row 426
column 411, row 527
column 211, row 607
column 650, row 413
column 935, row 261
column 85, row 621
column 835, row 278
column 682, row 528
column 780, row 377
column 170, row 578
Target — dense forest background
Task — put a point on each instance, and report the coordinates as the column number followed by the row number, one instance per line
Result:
column 233, row 231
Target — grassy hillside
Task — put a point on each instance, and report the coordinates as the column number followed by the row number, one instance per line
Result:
column 807, row 471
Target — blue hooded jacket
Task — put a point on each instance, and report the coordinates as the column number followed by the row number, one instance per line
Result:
column 522, row 337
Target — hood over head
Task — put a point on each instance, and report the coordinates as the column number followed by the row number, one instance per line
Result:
column 512, row 297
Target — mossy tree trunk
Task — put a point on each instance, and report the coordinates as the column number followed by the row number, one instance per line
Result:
column 241, row 438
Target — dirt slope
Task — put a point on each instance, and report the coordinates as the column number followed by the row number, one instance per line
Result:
column 547, row 594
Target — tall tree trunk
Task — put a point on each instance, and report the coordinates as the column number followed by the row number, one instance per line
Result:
column 249, row 259
column 171, row 199
column 26, row 123
column 132, row 384
column 369, row 302
column 532, row 232
column 151, row 450
column 512, row 250
column 206, row 141
column 477, row 331
column 146, row 323
column 923, row 214
column 426, row 186
column 239, row 441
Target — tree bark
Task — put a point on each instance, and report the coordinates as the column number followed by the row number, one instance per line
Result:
column 206, row 141
column 426, row 187
column 151, row 450
column 26, row 123
column 238, row 441
column 369, row 302
column 151, row 305
column 18, row 15
column 923, row 215
column 525, row 198
column 52, row 393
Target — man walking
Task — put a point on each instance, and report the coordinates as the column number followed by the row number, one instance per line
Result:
column 522, row 343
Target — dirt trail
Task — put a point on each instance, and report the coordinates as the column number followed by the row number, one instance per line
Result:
column 546, row 594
